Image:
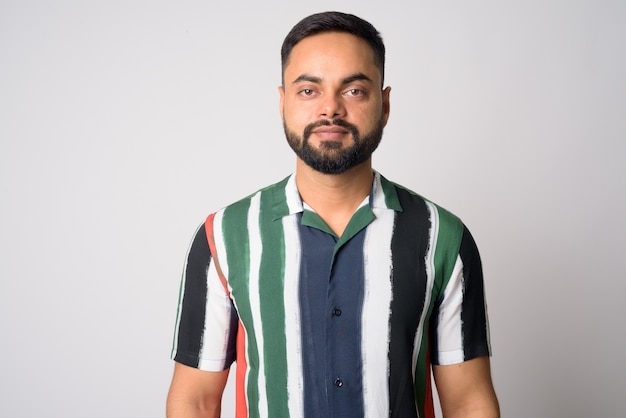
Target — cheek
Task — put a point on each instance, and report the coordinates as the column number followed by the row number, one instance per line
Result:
column 369, row 115
column 296, row 115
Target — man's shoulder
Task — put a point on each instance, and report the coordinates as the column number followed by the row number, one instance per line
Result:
column 409, row 199
column 273, row 191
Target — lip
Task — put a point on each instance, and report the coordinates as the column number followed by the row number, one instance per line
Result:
column 329, row 130
column 330, row 133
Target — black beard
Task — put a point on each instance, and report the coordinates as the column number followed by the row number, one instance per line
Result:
column 330, row 158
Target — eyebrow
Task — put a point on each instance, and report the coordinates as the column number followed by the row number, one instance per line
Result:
column 356, row 77
column 308, row 79
column 317, row 80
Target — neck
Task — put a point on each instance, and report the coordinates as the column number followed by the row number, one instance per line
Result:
column 334, row 197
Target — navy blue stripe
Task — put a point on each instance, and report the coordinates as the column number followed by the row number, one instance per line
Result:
column 331, row 303
column 317, row 251
column 344, row 339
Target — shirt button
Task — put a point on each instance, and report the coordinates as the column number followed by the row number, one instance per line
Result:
column 338, row 382
column 337, row 312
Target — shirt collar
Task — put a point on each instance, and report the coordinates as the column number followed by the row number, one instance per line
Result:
column 287, row 200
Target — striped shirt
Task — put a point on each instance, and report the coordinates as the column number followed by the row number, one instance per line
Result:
column 327, row 326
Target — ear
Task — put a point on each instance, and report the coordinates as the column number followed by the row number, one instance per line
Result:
column 281, row 105
column 386, row 106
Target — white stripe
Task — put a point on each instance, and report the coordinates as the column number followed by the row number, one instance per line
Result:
column 429, row 261
column 449, row 331
column 216, row 324
column 295, row 379
column 291, row 298
column 376, row 313
column 212, row 356
column 292, row 196
column 378, row 193
column 255, row 245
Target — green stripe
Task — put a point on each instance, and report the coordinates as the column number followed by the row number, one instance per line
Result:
column 237, row 242
column 312, row 219
column 391, row 195
column 361, row 219
column 271, row 286
column 446, row 251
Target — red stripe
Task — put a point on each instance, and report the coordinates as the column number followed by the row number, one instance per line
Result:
column 240, row 382
column 429, row 408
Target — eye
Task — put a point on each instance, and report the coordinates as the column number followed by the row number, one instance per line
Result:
column 354, row 92
column 306, row 92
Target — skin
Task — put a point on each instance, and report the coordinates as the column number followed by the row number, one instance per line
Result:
column 333, row 76
column 195, row 393
column 466, row 389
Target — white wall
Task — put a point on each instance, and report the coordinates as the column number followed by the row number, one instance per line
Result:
column 124, row 123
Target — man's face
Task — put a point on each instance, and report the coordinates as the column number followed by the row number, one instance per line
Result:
column 332, row 105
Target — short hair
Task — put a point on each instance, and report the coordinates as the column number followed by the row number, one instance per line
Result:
column 334, row 22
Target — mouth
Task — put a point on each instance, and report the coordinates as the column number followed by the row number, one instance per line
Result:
column 330, row 132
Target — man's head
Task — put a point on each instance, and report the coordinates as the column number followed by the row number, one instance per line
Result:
column 331, row 100
column 335, row 22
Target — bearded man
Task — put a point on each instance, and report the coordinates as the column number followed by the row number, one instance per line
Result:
column 336, row 291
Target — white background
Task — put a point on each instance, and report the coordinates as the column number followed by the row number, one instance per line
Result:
column 124, row 123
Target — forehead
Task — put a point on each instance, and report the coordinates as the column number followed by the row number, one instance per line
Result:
column 331, row 53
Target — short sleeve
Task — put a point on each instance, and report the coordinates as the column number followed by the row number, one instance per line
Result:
column 459, row 328
column 206, row 325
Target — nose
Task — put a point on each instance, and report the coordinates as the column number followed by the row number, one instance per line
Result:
column 331, row 106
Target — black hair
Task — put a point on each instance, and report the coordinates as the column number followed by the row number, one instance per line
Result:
column 334, row 22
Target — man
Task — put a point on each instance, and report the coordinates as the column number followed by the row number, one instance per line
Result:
column 334, row 290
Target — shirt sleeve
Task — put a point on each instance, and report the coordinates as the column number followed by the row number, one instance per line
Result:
column 206, row 325
column 459, row 326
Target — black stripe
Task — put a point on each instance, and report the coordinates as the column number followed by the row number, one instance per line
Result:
column 192, row 316
column 409, row 246
column 473, row 314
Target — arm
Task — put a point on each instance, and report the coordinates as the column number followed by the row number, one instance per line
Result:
column 195, row 393
column 466, row 390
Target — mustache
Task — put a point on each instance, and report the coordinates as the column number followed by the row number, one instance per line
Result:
column 335, row 122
